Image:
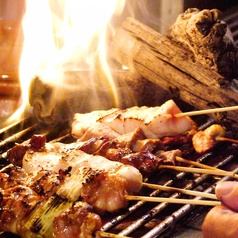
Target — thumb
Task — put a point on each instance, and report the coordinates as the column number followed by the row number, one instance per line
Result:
column 227, row 193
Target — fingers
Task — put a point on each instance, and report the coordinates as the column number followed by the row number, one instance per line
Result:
column 227, row 193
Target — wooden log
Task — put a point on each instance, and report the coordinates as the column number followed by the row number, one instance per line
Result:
column 53, row 102
column 158, row 59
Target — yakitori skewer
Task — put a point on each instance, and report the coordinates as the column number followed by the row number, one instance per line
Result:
column 201, row 171
column 206, row 111
column 174, row 200
column 180, row 190
column 195, row 163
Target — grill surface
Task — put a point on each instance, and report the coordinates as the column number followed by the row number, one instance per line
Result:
column 140, row 219
column 146, row 220
column 231, row 18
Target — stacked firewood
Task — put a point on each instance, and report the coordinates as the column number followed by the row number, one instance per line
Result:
column 166, row 61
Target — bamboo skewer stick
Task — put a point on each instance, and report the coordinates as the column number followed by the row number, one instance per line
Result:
column 206, row 111
column 107, row 234
column 226, row 139
column 174, row 200
column 6, row 167
column 195, row 163
column 201, row 171
column 180, row 190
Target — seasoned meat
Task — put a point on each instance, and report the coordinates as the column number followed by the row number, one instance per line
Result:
column 205, row 140
column 89, row 169
column 30, row 207
column 79, row 221
column 155, row 122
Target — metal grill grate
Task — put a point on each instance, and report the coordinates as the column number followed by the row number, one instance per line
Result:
column 140, row 219
column 231, row 18
column 143, row 219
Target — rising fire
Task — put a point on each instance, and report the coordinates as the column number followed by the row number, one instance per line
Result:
column 65, row 36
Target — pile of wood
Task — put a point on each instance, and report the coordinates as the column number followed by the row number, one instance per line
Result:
column 163, row 62
column 159, row 69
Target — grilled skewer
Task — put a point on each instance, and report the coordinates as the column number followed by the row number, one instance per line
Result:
column 29, row 214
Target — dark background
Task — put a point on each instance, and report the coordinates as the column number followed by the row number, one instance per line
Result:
column 222, row 5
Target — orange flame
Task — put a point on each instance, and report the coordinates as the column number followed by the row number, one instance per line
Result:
column 64, row 35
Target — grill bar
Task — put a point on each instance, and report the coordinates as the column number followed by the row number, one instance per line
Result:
column 135, row 207
column 147, row 217
column 231, row 18
column 140, row 219
column 168, row 222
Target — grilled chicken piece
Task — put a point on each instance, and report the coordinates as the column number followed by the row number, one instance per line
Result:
column 44, row 183
column 131, row 149
column 30, row 206
column 204, row 141
column 11, row 176
column 155, row 122
column 16, row 204
column 37, row 143
column 117, row 178
column 76, row 159
column 98, row 130
column 145, row 161
column 106, row 193
column 90, row 122
column 76, row 222
column 135, row 141
column 25, row 213
column 17, row 152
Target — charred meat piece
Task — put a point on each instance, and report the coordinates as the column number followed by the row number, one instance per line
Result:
column 155, row 122
column 44, row 183
column 106, row 193
column 11, row 176
column 145, row 161
column 76, row 222
column 16, row 205
column 31, row 207
column 204, row 141
column 89, row 169
column 27, row 214
column 17, row 152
